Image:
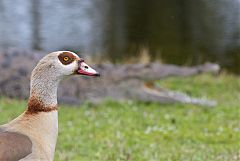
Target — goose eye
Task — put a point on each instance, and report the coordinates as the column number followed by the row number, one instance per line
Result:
column 66, row 58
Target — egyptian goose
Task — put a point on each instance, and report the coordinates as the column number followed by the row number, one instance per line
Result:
column 33, row 134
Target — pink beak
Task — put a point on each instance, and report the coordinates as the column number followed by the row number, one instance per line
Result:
column 84, row 69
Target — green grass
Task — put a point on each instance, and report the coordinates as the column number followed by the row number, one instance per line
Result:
column 135, row 131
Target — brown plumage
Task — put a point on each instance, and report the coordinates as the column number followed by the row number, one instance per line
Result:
column 35, row 106
column 14, row 146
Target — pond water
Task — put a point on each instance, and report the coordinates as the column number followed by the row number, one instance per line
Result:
column 179, row 32
column 187, row 32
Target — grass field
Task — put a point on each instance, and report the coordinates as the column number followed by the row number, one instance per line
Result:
column 136, row 131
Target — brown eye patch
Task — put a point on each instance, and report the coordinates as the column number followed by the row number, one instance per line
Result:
column 66, row 58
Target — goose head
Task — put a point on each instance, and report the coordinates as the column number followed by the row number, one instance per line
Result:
column 51, row 69
column 63, row 63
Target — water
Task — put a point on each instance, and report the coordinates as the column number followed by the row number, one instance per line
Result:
column 181, row 32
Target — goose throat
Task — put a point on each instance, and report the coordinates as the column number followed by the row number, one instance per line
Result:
column 43, row 94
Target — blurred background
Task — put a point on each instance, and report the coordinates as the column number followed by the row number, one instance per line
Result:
column 134, row 111
column 170, row 31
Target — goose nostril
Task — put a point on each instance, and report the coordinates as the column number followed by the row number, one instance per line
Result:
column 86, row 67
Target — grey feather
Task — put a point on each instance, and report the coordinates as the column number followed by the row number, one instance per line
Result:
column 14, row 146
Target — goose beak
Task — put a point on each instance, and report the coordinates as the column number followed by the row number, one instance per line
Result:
column 84, row 69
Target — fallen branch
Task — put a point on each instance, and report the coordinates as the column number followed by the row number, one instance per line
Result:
column 119, row 82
